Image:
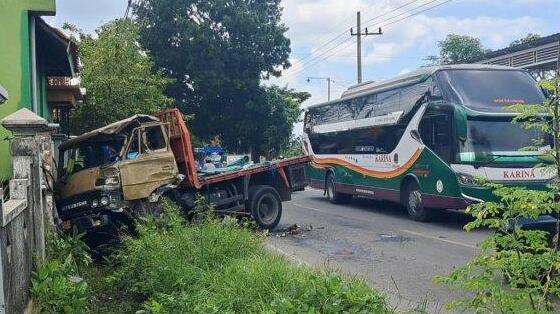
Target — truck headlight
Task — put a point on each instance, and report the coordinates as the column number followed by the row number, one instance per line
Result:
column 467, row 179
column 104, row 201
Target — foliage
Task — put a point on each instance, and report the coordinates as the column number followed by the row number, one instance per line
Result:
column 528, row 38
column 118, row 77
column 458, row 48
column 274, row 131
column 218, row 52
column 214, row 266
column 56, row 285
column 518, row 268
column 293, row 148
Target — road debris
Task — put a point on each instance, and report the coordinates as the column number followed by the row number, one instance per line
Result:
column 390, row 237
column 294, row 229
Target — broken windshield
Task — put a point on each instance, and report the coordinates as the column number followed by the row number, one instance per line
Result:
column 89, row 155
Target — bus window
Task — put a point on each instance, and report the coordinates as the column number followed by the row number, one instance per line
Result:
column 380, row 140
column 332, row 143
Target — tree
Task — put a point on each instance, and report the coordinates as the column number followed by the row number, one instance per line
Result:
column 283, row 110
column 528, row 38
column 118, row 77
column 217, row 52
column 458, row 48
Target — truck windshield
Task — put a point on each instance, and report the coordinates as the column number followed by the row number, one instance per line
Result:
column 490, row 90
column 499, row 138
column 89, row 156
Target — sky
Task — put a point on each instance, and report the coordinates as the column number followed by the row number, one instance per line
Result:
column 321, row 44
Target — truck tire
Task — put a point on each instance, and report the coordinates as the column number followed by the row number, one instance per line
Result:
column 266, row 206
column 412, row 200
column 333, row 196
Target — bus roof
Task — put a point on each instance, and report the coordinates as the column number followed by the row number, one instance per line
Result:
column 407, row 79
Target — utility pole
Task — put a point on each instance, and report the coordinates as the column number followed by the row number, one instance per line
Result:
column 359, row 35
column 328, row 79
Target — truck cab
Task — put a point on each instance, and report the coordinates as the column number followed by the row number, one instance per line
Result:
column 114, row 172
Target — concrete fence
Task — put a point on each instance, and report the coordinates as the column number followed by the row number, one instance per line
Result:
column 27, row 215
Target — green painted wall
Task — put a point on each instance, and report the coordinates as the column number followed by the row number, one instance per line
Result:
column 15, row 65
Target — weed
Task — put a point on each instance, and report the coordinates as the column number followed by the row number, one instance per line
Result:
column 212, row 266
column 56, row 285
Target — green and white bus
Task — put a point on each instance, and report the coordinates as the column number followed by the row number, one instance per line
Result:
column 421, row 138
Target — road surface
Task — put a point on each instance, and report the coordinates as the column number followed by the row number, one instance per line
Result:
column 378, row 243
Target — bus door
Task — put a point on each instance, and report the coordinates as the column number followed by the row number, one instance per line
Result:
column 436, row 131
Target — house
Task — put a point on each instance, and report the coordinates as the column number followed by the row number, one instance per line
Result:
column 37, row 62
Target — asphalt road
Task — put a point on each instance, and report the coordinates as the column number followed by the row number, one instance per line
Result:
column 378, row 243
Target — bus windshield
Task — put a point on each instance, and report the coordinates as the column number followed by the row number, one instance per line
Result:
column 493, row 138
column 490, row 90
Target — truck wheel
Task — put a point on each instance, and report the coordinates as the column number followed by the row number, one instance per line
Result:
column 333, row 196
column 266, row 206
column 412, row 200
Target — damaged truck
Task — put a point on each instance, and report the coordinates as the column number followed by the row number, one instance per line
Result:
column 112, row 175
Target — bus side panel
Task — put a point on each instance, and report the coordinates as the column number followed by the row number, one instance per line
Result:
column 316, row 175
column 438, row 182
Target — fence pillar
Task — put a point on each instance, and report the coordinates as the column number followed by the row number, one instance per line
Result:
column 25, row 149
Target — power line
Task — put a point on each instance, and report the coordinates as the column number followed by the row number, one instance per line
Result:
column 312, row 63
column 411, row 15
column 321, row 54
column 309, row 61
column 315, row 59
column 367, row 21
column 394, row 10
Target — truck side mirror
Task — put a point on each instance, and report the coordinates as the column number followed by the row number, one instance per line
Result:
column 460, row 121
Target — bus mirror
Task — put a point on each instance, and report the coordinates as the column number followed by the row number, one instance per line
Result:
column 460, row 119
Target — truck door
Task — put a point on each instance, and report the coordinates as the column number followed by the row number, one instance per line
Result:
column 148, row 162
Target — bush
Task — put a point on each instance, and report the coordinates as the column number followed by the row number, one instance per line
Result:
column 212, row 266
column 56, row 285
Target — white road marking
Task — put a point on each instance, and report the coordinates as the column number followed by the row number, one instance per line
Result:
column 307, row 207
column 440, row 239
column 288, row 255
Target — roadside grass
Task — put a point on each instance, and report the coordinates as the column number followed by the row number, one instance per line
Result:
column 216, row 266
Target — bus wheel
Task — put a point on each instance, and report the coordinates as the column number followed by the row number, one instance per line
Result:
column 412, row 200
column 266, row 206
column 333, row 196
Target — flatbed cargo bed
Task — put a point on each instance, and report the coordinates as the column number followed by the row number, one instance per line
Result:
column 182, row 148
column 254, row 169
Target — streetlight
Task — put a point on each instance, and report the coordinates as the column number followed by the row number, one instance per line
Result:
column 328, row 79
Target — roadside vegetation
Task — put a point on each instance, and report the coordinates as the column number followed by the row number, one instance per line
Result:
column 518, row 270
column 205, row 266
